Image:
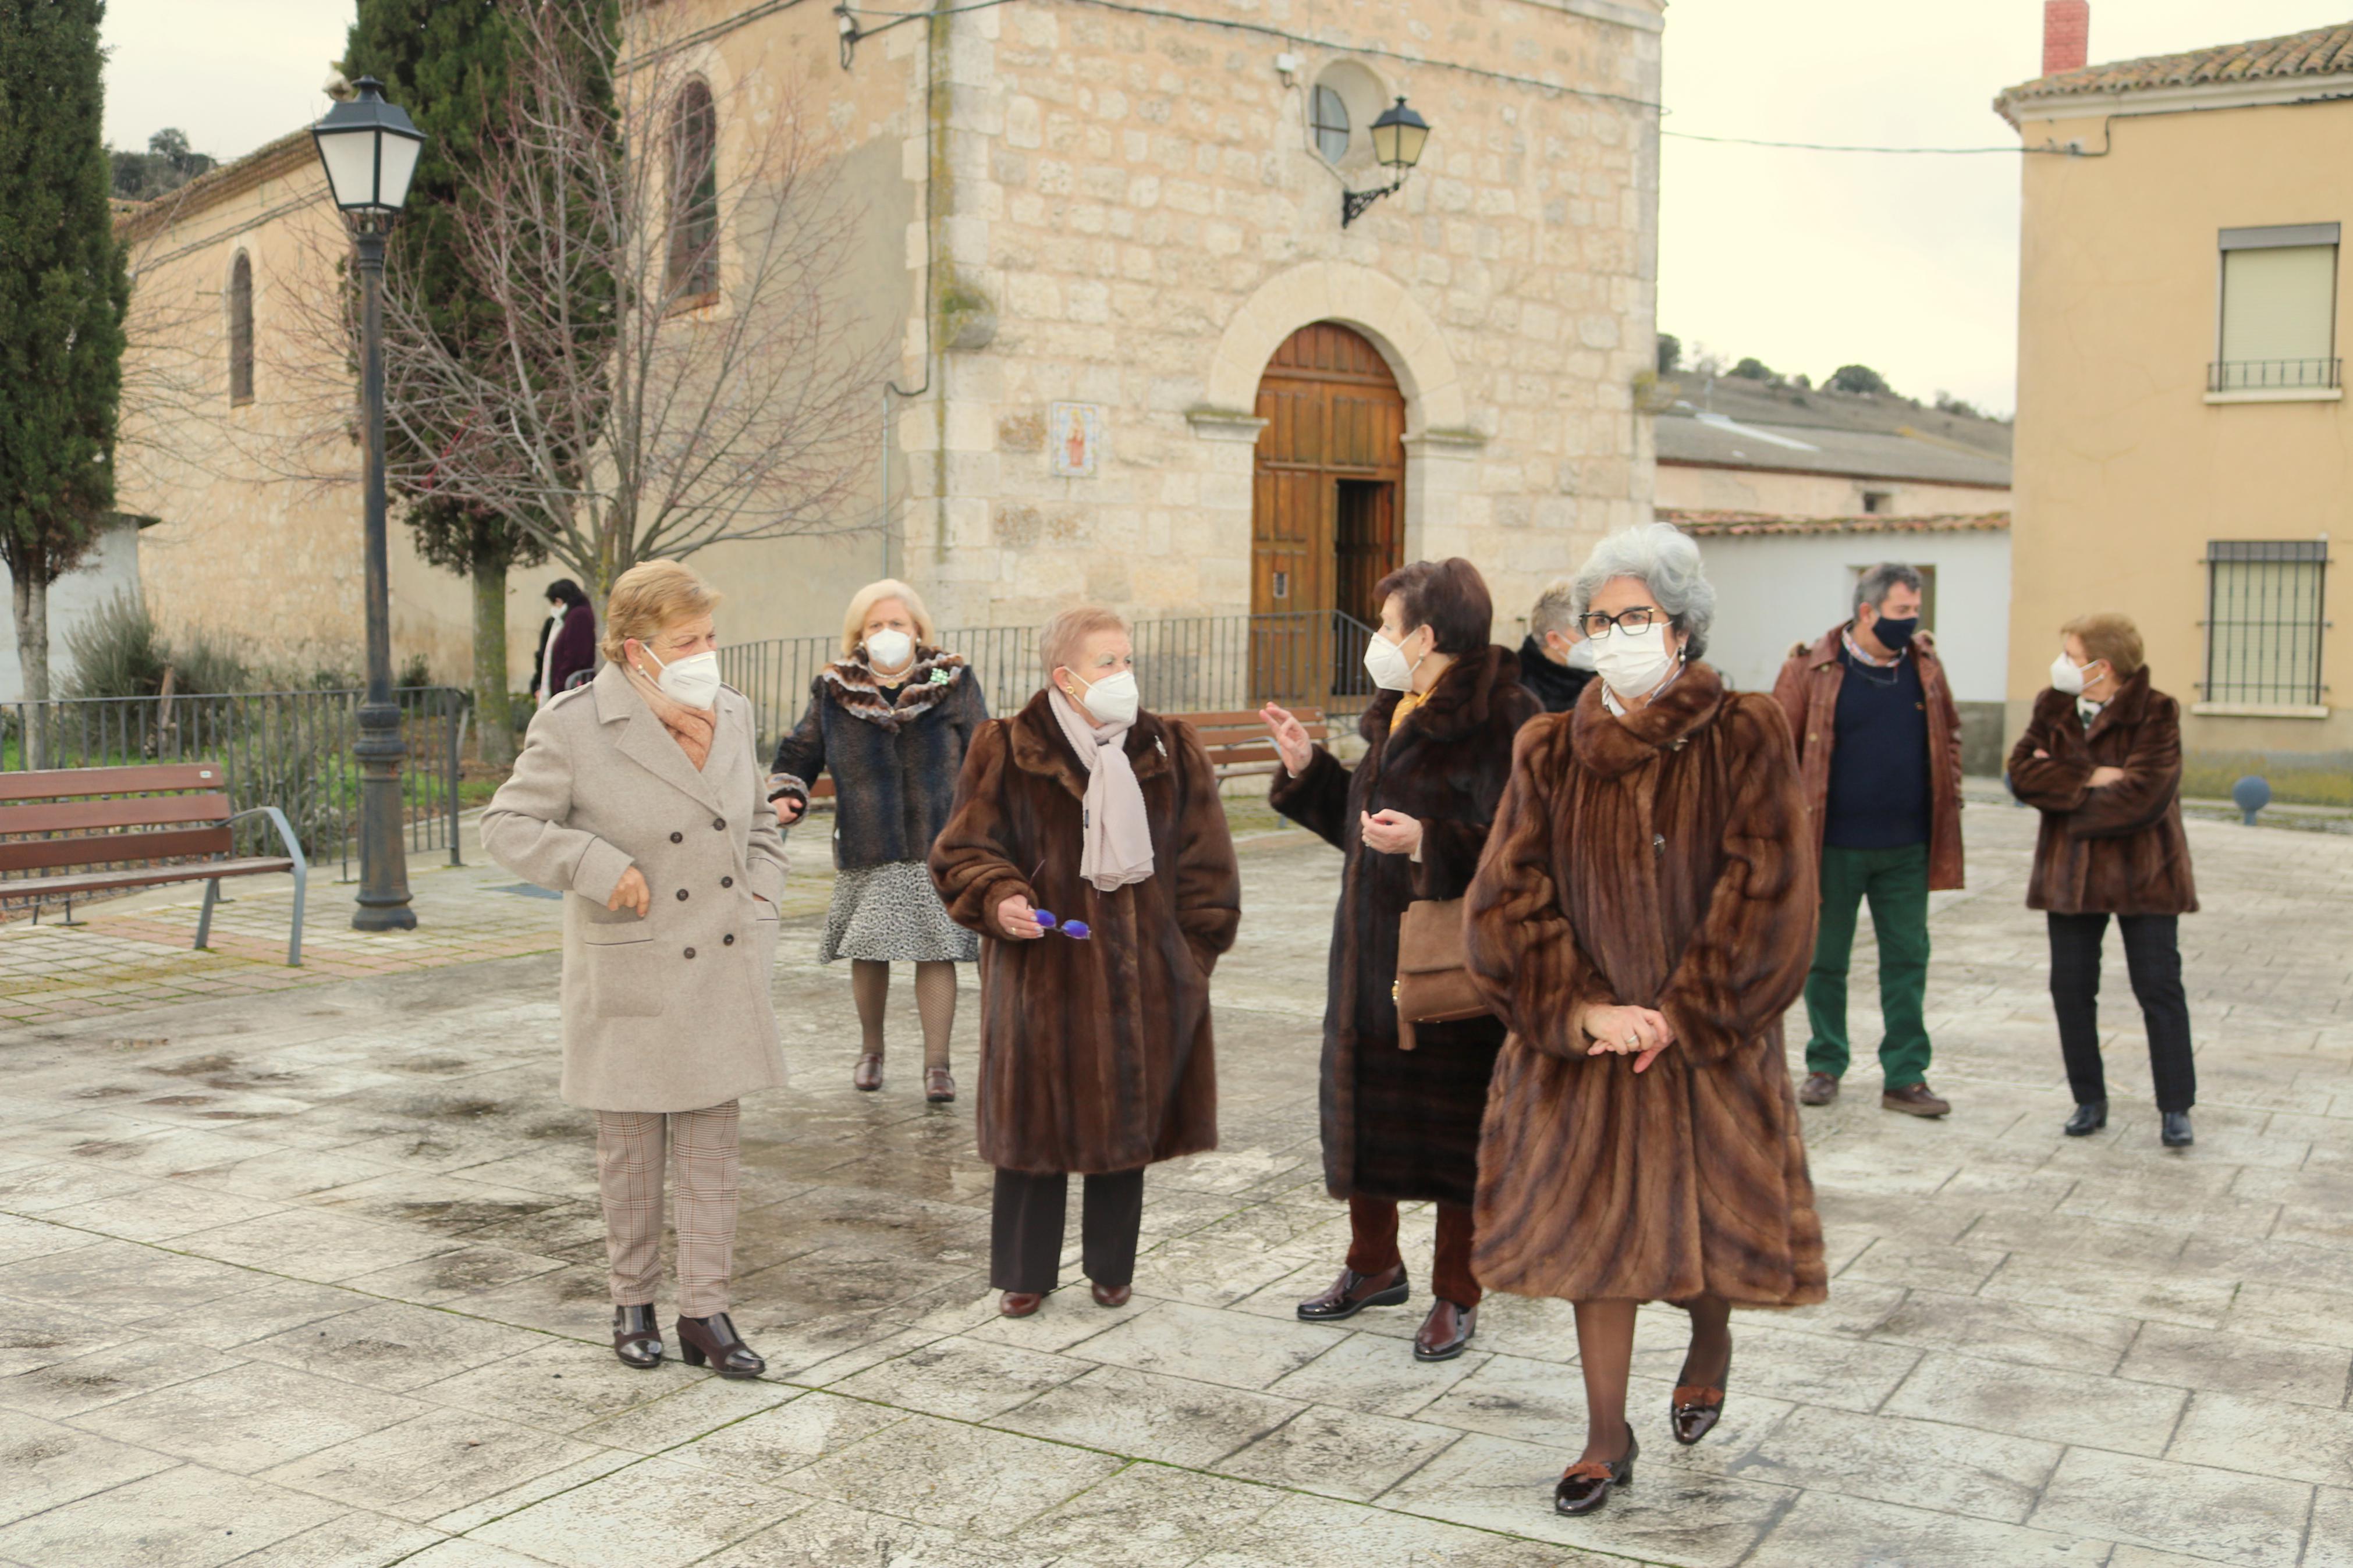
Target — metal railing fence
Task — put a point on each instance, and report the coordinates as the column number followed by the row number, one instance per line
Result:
column 291, row 750
column 1192, row 663
column 2273, row 374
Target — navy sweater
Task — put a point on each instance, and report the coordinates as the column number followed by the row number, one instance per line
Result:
column 1880, row 797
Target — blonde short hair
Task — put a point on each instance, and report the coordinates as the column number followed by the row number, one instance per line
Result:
column 1058, row 644
column 2110, row 637
column 1554, row 609
column 863, row 603
column 651, row 595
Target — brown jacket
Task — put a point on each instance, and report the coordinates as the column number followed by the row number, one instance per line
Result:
column 1095, row 1056
column 1808, row 692
column 2118, row 849
column 1662, row 861
column 1397, row 1123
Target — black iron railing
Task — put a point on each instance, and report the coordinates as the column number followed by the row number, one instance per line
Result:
column 2275, row 374
column 291, row 750
column 1194, row 664
column 2265, row 609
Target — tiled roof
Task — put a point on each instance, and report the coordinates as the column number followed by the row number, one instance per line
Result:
column 2322, row 51
column 1714, row 440
column 1723, row 524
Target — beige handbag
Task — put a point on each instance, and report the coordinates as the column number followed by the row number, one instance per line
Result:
column 1433, row 985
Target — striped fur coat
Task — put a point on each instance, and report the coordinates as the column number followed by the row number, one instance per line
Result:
column 1662, row 860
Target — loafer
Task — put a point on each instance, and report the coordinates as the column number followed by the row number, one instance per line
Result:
column 1693, row 1409
column 1018, row 1303
column 1820, row 1088
column 1912, row 1099
column 2089, row 1118
column 1353, row 1293
column 939, row 1085
column 636, row 1337
column 1110, row 1295
column 867, row 1075
column 713, row 1340
column 1445, row 1332
column 2174, row 1130
column 1586, row 1487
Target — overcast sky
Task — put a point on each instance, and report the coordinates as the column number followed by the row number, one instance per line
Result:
column 1807, row 261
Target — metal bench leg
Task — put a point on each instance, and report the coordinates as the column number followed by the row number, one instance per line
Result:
column 205, row 918
column 294, row 935
column 69, row 920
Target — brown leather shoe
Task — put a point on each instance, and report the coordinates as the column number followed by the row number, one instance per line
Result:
column 1353, row 1293
column 1912, row 1099
column 1445, row 1332
column 869, row 1075
column 713, row 1339
column 1110, row 1295
column 1820, row 1088
column 939, row 1085
column 1018, row 1304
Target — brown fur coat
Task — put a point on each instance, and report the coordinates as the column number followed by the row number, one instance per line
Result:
column 2118, row 849
column 1397, row 1123
column 1095, row 1056
column 1661, row 861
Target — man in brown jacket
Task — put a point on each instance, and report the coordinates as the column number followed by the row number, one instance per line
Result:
column 1879, row 750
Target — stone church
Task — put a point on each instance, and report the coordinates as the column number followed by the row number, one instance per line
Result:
column 1142, row 360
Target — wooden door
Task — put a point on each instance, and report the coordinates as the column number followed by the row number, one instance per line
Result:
column 1326, row 512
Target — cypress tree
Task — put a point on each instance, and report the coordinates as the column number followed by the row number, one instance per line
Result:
column 64, row 290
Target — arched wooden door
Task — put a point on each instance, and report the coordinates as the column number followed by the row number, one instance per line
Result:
column 1327, row 513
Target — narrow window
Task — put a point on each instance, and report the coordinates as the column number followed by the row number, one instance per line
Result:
column 241, row 329
column 2278, row 330
column 694, row 271
column 1330, row 121
column 2264, row 621
column 1874, row 502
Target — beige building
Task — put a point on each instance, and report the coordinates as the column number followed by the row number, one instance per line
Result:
column 1140, row 357
column 2185, row 453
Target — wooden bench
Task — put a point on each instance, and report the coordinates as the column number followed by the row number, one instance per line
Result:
column 1239, row 744
column 133, row 828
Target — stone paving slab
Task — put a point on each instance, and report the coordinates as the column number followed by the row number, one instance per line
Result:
column 311, row 1275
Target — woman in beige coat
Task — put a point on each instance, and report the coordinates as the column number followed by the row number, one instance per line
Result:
column 639, row 798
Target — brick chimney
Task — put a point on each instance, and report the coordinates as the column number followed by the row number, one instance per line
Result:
column 2066, row 36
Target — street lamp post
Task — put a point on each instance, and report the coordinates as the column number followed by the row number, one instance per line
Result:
column 369, row 149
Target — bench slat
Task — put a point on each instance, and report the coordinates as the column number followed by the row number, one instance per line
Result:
column 64, row 783
column 121, row 811
column 141, row 877
column 106, row 849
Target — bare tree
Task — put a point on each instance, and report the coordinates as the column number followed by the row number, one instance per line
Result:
column 673, row 367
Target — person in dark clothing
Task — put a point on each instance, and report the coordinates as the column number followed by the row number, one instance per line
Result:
column 1879, row 750
column 567, row 641
column 1556, row 661
column 2102, row 759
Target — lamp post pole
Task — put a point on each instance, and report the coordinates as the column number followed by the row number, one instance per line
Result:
column 383, row 862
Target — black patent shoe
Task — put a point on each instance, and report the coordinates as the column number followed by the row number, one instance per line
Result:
column 2174, row 1130
column 1693, row 1409
column 713, row 1340
column 2089, row 1118
column 636, row 1337
column 1353, row 1293
column 1583, row 1488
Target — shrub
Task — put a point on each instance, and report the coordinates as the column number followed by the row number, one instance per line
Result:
column 202, row 664
column 117, row 652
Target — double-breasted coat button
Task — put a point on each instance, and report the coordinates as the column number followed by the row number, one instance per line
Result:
column 689, row 952
column 726, row 881
column 728, row 941
column 681, row 895
column 678, row 838
column 720, row 823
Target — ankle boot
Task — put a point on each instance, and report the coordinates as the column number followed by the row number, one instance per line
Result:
column 713, row 1340
column 636, row 1337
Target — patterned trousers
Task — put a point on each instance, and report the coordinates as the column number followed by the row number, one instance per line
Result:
column 632, row 1147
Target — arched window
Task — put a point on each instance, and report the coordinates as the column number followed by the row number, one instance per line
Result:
column 241, row 329
column 1330, row 123
column 694, row 195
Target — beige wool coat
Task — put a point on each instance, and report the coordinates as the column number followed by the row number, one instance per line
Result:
column 670, row 1012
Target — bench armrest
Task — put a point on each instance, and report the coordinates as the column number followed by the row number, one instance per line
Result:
column 285, row 834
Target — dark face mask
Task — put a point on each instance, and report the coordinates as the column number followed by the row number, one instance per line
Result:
column 1895, row 634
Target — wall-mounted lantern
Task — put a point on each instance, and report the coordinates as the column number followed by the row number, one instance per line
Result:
column 1397, row 138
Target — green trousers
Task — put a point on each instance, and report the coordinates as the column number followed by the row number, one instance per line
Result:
column 1896, row 883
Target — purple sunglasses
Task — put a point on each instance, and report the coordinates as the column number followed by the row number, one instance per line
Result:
column 1076, row 931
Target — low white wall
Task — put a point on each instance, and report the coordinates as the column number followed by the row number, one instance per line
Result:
column 110, row 568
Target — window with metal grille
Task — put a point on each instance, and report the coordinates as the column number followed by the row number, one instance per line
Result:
column 241, row 329
column 1329, row 120
column 2278, row 326
column 2264, row 620
column 693, row 269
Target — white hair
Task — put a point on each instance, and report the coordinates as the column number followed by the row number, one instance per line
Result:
column 1554, row 609
column 1663, row 559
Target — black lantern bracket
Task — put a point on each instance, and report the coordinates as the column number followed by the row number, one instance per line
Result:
column 1354, row 204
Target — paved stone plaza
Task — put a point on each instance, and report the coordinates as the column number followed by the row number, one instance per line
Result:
column 290, row 1276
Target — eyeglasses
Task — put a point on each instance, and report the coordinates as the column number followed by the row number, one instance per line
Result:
column 1076, row 930
column 1638, row 619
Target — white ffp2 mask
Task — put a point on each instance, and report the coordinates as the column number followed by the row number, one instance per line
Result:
column 889, row 650
column 1114, row 699
column 1387, row 665
column 691, row 682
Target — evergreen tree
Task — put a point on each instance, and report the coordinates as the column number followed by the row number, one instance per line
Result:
column 446, row 62
column 64, row 290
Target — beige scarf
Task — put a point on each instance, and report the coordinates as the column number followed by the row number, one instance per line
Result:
column 692, row 728
column 1118, row 848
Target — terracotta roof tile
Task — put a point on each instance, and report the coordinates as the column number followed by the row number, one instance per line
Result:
column 1721, row 524
column 2322, row 51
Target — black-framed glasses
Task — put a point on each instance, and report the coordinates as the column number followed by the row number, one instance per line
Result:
column 1640, row 619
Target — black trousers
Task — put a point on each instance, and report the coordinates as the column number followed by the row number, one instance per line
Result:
column 2153, row 959
column 1025, row 1229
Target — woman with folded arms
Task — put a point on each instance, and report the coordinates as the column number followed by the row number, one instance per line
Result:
column 1643, row 918
column 1088, row 846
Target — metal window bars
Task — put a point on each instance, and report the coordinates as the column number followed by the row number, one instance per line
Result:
column 2264, row 616
column 2275, row 374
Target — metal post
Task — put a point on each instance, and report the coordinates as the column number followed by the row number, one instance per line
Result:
column 384, row 860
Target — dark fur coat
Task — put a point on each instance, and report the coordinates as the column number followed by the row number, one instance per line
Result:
column 1662, row 860
column 894, row 764
column 2118, row 849
column 1095, row 1056
column 1397, row 1123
